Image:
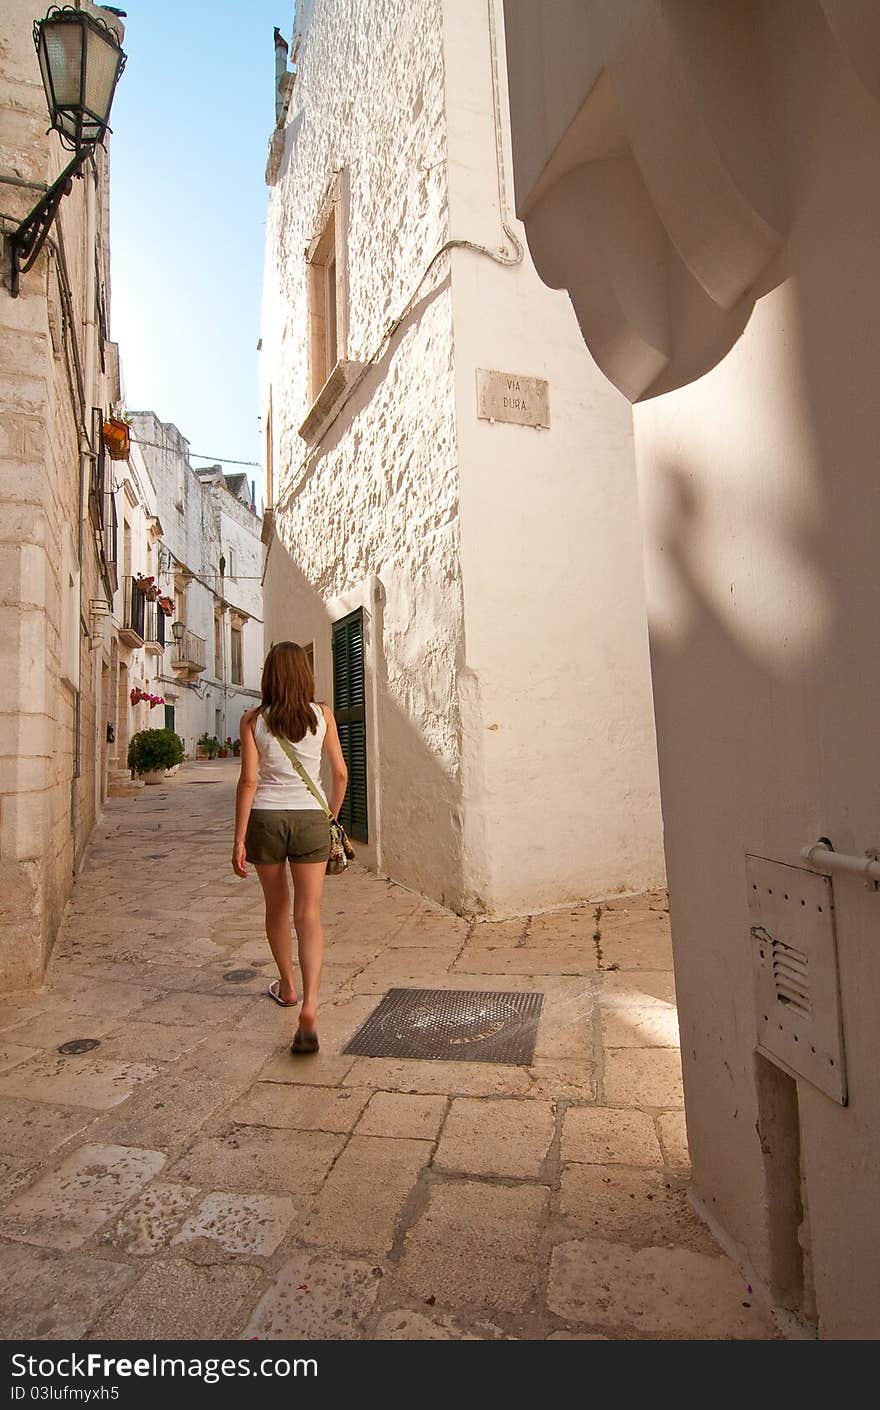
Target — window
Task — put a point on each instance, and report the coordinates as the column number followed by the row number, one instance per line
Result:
column 323, row 308
column 230, row 563
column 270, row 456
column 327, row 276
column 349, row 699
column 235, row 656
column 218, row 646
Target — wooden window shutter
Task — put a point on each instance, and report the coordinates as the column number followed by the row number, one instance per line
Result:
column 349, row 701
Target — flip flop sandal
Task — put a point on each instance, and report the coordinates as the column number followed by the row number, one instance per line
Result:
column 304, row 1042
column 274, row 993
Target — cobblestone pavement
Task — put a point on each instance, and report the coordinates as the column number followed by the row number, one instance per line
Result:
column 188, row 1178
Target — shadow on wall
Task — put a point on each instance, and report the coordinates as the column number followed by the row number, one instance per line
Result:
column 414, row 806
column 762, row 569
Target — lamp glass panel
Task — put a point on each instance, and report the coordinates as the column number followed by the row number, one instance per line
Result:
column 63, row 45
column 102, row 66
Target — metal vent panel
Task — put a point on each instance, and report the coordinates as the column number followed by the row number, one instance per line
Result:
column 453, row 1025
column 797, row 991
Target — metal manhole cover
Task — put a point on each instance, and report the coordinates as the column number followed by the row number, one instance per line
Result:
column 240, row 976
column 457, row 1025
column 80, row 1045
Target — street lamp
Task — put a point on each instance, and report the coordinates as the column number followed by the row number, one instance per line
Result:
column 80, row 62
column 177, row 631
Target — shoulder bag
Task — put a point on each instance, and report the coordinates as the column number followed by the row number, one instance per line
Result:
column 341, row 850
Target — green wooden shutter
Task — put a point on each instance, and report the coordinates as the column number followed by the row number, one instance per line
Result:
column 349, row 701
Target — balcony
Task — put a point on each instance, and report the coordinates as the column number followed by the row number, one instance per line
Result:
column 189, row 655
column 155, row 624
column 134, row 614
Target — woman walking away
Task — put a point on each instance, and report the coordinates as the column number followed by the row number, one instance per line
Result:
column 278, row 821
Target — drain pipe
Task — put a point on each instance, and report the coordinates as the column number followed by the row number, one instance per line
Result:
column 823, row 857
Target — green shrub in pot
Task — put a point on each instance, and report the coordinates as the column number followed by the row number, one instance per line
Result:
column 154, row 751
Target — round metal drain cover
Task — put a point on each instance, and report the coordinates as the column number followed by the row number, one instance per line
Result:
column 80, row 1045
column 240, row 976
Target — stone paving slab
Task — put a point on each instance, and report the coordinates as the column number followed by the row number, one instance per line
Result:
column 399, row 1114
column 388, row 1168
column 149, row 1042
column 67, row 1205
column 252, row 1225
column 496, row 1137
column 176, row 1300
column 34, row 1129
column 254, row 1158
column 76, row 1081
column 638, row 1207
column 475, row 1248
column 640, row 1026
column 635, row 987
column 405, row 1325
column 50, row 1296
column 601, row 1136
column 317, row 1295
column 147, row 1225
column 669, row 1291
column 643, row 1077
column 447, row 1078
column 673, row 1138
column 165, row 1113
column 299, row 1108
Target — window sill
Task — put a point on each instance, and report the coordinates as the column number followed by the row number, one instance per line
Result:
column 329, row 400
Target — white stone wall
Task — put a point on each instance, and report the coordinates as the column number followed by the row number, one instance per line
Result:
column 201, row 520
column 507, row 670
column 564, row 793
column 379, row 497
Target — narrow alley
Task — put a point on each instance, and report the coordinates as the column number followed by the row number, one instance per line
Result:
column 178, row 1174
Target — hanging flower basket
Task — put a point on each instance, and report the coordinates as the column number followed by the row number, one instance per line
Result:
column 117, row 439
column 136, row 695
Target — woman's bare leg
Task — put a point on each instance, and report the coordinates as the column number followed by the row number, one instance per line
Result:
column 308, row 888
column 276, row 894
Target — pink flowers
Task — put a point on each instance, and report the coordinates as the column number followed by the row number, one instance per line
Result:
column 136, row 695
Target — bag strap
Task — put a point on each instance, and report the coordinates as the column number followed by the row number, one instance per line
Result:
column 288, row 749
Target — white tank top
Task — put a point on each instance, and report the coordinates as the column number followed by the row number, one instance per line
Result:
column 280, row 786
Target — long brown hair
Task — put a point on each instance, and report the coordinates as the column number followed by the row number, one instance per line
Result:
column 288, row 688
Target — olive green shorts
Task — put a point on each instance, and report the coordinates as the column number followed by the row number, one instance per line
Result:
column 287, row 835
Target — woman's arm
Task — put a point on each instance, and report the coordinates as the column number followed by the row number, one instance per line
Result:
column 247, row 787
column 333, row 750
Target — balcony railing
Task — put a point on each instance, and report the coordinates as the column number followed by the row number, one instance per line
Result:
column 134, row 613
column 155, row 623
column 189, row 653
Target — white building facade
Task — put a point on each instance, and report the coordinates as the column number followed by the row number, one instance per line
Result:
column 451, row 525
column 58, row 542
column 207, row 561
column 701, row 178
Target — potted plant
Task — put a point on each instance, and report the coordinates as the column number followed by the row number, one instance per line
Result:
column 236, row 747
column 167, row 605
column 117, row 438
column 147, row 584
column 152, row 751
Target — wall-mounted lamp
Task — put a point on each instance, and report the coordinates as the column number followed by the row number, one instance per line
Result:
column 80, row 61
column 177, row 631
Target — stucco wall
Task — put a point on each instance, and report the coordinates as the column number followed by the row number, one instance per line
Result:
column 379, row 496
column 758, row 482
column 563, row 798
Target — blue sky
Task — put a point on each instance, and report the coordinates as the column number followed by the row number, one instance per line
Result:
column 191, row 122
